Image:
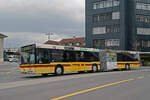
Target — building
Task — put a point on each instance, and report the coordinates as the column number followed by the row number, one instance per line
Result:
column 2, row 46
column 75, row 41
column 52, row 42
column 11, row 53
column 118, row 24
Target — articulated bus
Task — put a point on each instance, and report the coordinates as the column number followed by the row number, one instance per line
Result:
column 46, row 59
column 53, row 59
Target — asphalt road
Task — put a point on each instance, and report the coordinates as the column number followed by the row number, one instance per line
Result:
column 118, row 85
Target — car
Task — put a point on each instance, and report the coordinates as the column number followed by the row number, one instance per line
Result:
column 13, row 60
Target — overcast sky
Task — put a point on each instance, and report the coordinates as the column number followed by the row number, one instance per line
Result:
column 27, row 21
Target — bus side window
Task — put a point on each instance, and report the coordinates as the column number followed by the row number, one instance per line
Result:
column 82, row 57
column 119, row 57
column 79, row 56
column 57, row 55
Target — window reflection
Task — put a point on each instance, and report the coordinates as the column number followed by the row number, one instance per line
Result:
column 105, row 4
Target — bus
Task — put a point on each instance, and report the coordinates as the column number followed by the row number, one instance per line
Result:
column 128, row 59
column 115, row 59
column 54, row 59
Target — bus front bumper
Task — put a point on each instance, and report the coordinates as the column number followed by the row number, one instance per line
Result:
column 29, row 72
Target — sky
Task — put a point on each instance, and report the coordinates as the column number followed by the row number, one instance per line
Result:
column 27, row 21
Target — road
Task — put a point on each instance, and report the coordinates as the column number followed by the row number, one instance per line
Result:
column 118, row 85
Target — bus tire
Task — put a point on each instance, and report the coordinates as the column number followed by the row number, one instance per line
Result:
column 44, row 75
column 127, row 67
column 80, row 72
column 59, row 70
column 94, row 68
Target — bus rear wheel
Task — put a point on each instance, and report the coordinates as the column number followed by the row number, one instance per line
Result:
column 59, row 70
column 44, row 75
column 94, row 68
column 127, row 67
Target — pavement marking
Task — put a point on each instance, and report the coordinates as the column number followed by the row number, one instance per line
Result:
column 140, row 77
column 91, row 89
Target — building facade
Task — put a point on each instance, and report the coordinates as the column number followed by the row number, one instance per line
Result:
column 2, row 47
column 118, row 24
column 75, row 42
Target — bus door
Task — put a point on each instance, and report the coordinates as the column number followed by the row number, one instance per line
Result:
column 69, row 57
column 80, row 64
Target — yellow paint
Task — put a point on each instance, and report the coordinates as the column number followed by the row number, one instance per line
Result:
column 140, row 77
column 135, row 64
column 91, row 89
column 74, row 67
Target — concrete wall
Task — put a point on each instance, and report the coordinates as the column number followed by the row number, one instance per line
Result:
column 1, row 49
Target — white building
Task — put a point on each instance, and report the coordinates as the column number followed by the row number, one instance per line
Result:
column 2, row 46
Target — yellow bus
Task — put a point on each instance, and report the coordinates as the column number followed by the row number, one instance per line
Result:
column 128, row 60
column 53, row 59
column 114, row 59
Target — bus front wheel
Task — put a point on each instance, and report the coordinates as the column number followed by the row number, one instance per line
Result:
column 127, row 67
column 94, row 68
column 59, row 70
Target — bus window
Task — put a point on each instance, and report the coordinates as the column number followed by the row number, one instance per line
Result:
column 57, row 55
column 43, row 56
column 69, row 56
column 91, row 56
column 27, row 57
column 126, row 57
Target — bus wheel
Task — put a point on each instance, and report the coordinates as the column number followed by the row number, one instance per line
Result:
column 45, row 75
column 59, row 70
column 127, row 67
column 94, row 68
column 81, row 72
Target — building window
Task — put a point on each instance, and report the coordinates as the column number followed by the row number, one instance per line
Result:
column 83, row 44
column 99, row 43
column 99, row 30
column 145, row 44
column 143, row 6
column 102, row 43
column 113, row 28
column 143, row 31
column 105, row 4
column 143, row 18
column 78, row 44
column 112, row 42
column 70, row 44
column 63, row 44
column 106, row 29
column 106, row 16
column 116, row 15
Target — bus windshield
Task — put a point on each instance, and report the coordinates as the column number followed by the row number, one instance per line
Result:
column 27, row 55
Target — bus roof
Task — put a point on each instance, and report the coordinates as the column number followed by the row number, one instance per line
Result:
column 47, row 46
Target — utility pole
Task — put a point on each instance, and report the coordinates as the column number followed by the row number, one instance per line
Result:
column 49, row 35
